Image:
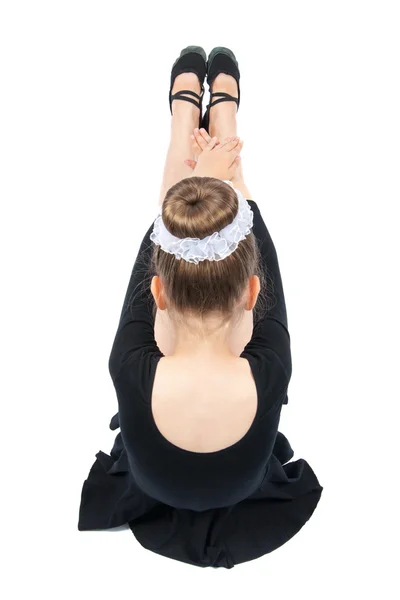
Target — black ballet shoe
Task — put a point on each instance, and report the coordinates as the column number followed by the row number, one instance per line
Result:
column 220, row 60
column 192, row 59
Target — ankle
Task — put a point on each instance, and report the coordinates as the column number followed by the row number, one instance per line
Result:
column 223, row 120
column 185, row 111
column 186, row 81
column 223, row 114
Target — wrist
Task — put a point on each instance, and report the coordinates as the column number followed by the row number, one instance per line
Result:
column 199, row 172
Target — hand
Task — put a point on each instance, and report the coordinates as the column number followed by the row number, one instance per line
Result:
column 200, row 139
column 215, row 159
column 197, row 147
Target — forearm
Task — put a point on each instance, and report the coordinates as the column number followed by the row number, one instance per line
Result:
column 241, row 186
column 237, row 180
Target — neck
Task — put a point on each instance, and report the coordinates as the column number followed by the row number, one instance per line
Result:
column 204, row 339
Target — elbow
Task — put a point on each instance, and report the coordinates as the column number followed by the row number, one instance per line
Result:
column 113, row 366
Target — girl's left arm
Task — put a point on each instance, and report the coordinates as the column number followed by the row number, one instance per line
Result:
column 135, row 330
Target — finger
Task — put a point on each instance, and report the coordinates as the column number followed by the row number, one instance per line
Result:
column 195, row 146
column 234, row 167
column 236, row 150
column 211, row 144
column 199, row 139
column 190, row 163
column 235, row 163
column 205, row 135
column 231, row 144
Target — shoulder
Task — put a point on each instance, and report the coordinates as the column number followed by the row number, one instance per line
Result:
column 137, row 372
column 269, row 373
column 257, row 216
column 253, row 205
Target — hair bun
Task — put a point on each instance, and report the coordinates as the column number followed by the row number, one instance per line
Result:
column 199, row 206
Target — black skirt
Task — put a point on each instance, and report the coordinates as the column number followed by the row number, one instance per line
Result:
column 222, row 537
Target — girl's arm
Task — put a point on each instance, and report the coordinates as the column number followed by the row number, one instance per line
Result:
column 135, row 332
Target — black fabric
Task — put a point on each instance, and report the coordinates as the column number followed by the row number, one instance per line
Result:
column 206, row 509
column 191, row 62
column 220, row 63
column 223, row 63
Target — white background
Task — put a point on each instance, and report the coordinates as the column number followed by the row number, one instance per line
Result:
column 85, row 121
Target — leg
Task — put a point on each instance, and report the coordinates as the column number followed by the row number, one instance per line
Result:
column 223, row 122
column 185, row 117
column 222, row 125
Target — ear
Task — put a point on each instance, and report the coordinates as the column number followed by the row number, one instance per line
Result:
column 157, row 289
column 253, row 291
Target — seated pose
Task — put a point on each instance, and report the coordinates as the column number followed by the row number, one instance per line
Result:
column 201, row 359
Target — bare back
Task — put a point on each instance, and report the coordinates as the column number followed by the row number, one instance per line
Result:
column 203, row 407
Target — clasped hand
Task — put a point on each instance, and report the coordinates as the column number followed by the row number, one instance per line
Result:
column 214, row 159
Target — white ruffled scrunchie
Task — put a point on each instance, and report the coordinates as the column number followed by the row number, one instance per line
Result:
column 216, row 246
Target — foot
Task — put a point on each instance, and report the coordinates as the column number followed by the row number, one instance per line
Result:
column 225, row 83
column 185, row 81
column 222, row 117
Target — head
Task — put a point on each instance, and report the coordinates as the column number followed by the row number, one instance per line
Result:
column 224, row 289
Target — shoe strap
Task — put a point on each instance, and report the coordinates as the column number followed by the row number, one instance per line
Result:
column 179, row 96
column 225, row 97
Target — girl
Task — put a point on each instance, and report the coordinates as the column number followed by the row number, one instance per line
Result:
column 201, row 359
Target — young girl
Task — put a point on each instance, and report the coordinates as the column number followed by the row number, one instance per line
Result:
column 201, row 359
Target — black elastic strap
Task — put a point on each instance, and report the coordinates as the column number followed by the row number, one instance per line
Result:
column 178, row 96
column 225, row 98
